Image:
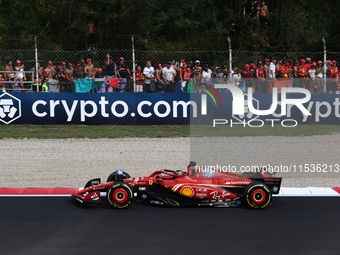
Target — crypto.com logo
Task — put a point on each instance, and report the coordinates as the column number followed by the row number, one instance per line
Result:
column 10, row 108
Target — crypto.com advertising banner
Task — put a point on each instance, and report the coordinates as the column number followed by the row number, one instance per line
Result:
column 214, row 109
column 241, row 131
column 94, row 109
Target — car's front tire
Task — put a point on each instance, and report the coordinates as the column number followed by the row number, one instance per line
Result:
column 119, row 195
column 257, row 195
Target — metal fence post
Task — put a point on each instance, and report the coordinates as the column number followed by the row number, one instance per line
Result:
column 133, row 64
column 36, row 63
column 324, row 65
column 230, row 55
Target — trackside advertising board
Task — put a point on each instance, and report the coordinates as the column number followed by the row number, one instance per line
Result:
column 177, row 108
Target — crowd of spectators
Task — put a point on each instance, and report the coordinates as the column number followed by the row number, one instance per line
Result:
column 174, row 76
column 301, row 73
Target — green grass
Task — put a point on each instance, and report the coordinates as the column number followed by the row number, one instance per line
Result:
column 154, row 131
column 266, row 130
column 92, row 131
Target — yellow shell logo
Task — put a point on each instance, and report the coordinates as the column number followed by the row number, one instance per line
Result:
column 187, row 191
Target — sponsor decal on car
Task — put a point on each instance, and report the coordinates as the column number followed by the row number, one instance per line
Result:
column 201, row 195
column 237, row 182
column 156, row 202
column 218, row 196
column 187, row 191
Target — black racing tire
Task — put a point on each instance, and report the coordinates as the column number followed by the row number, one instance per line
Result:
column 257, row 195
column 119, row 195
column 113, row 177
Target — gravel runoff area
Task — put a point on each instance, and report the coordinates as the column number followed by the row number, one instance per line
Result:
column 72, row 162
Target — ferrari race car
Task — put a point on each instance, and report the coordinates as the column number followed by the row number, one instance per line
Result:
column 198, row 186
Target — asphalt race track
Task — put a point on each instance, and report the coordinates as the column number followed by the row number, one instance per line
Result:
column 59, row 225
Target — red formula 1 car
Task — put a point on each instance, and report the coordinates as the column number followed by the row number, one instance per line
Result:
column 199, row 186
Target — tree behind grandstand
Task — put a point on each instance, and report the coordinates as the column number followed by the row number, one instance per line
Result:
column 171, row 25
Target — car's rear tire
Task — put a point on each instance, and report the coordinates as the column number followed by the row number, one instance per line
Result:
column 114, row 176
column 257, row 195
column 119, row 195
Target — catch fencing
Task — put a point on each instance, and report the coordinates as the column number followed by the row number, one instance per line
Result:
column 137, row 57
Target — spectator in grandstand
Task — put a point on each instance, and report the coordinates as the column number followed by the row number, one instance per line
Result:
column 260, row 80
column 328, row 64
column 252, row 70
column 186, row 78
column 197, row 79
column 53, row 84
column 217, row 75
column 198, row 66
column 333, row 77
column 99, row 75
column 124, row 75
column 3, row 85
column 225, row 74
column 9, row 69
column 295, row 74
column 49, row 70
column 44, row 87
column 277, row 68
column 207, row 74
column 144, row 42
column 63, row 66
column 89, row 69
column 139, row 79
column 237, row 77
column 148, row 73
column 319, row 77
column 176, row 66
column 308, row 63
column 61, row 76
column 191, row 64
column 249, row 9
column 284, row 70
column 153, row 61
column 182, row 69
column 264, row 15
column 302, row 74
column 79, row 72
column 110, row 71
column 110, row 67
column 19, row 73
column 272, row 70
column 169, row 75
column 40, row 73
column 92, row 39
column 266, row 69
column 246, row 75
column 312, row 85
column 69, row 86
column 234, row 29
column 14, row 86
column 290, row 68
column 159, row 80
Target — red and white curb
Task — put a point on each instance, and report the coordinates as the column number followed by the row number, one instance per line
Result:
column 37, row 192
column 308, row 192
column 66, row 192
